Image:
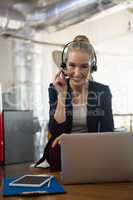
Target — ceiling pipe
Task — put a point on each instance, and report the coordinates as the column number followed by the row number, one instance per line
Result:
column 11, row 19
column 64, row 13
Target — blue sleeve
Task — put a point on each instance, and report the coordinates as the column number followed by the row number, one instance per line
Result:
column 107, row 122
column 55, row 128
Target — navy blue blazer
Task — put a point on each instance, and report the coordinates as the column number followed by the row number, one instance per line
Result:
column 99, row 110
column 99, row 118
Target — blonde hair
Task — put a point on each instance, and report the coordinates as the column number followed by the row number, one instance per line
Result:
column 81, row 43
column 83, row 38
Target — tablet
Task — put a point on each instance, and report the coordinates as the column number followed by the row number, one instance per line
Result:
column 31, row 180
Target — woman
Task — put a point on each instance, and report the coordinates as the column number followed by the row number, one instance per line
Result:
column 78, row 104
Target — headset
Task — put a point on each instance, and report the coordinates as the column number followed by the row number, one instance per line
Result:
column 93, row 62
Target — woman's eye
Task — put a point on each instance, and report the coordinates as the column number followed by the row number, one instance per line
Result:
column 71, row 65
column 84, row 66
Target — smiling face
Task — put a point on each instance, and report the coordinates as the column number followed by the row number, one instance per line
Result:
column 78, row 67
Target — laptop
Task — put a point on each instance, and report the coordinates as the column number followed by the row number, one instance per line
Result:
column 96, row 157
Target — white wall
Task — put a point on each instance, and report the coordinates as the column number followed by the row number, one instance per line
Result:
column 115, row 68
column 6, row 72
column 98, row 30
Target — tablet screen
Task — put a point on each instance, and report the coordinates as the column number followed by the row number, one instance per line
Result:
column 31, row 180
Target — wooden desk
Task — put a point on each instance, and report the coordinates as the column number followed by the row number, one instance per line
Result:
column 108, row 191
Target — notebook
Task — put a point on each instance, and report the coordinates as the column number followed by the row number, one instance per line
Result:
column 96, row 158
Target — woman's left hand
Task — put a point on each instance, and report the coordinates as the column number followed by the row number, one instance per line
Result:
column 57, row 140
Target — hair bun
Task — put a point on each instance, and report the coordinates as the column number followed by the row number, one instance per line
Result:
column 81, row 38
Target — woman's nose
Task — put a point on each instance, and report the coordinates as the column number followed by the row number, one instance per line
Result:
column 77, row 71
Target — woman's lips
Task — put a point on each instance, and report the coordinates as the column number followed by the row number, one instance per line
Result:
column 77, row 79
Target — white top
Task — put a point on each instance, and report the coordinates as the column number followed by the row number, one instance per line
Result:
column 79, row 118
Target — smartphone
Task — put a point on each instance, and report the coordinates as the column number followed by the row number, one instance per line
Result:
column 31, row 181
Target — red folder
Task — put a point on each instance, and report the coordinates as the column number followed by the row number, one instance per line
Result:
column 1, row 139
column 1, row 129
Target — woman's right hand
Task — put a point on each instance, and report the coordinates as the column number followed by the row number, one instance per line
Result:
column 60, row 83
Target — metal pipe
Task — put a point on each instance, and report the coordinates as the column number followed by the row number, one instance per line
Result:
column 11, row 19
column 63, row 13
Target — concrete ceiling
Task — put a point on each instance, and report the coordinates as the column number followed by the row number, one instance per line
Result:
column 33, row 3
column 91, row 27
column 10, row 3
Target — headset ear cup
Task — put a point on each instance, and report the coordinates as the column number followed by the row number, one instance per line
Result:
column 94, row 62
column 93, row 67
